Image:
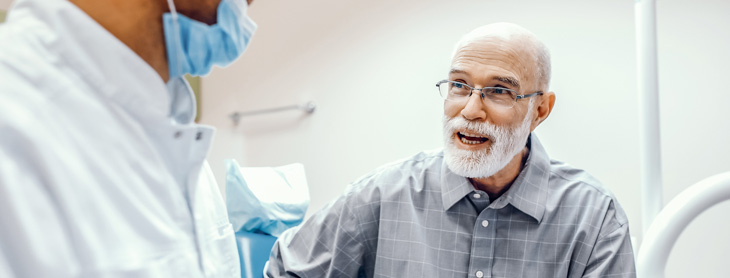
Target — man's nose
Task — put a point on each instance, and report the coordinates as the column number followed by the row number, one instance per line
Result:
column 474, row 108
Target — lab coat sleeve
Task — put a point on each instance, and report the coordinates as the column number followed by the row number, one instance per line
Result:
column 5, row 270
column 34, row 241
column 338, row 241
column 612, row 255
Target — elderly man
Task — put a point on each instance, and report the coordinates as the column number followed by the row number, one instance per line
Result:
column 491, row 204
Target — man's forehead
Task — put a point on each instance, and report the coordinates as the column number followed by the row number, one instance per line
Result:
column 489, row 45
column 491, row 54
column 503, row 51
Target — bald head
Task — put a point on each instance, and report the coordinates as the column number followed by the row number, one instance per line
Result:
column 525, row 46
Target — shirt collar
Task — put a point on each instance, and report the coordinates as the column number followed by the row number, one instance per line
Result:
column 528, row 193
column 453, row 187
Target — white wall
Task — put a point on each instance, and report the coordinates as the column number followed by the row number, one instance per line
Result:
column 5, row 4
column 371, row 66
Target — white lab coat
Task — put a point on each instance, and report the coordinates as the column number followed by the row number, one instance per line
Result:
column 96, row 179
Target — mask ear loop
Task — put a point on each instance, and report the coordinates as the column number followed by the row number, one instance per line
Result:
column 178, row 40
column 173, row 11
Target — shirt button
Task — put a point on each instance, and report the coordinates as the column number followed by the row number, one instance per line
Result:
column 477, row 196
column 479, row 274
column 178, row 134
column 485, row 223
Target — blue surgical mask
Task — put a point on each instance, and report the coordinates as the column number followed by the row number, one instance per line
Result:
column 194, row 47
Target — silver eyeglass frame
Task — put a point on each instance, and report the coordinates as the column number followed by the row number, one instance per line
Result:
column 481, row 90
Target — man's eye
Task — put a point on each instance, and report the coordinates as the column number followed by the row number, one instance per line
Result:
column 499, row 91
column 458, row 85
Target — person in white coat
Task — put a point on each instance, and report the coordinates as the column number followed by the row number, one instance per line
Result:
column 102, row 169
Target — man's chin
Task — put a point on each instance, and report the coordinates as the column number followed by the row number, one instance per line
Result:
column 468, row 163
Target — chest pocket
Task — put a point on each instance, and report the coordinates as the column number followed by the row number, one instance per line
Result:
column 219, row 253
column 216, row 239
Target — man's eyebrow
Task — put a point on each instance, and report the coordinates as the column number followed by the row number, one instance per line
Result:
column 513, row 82
column 509, row 80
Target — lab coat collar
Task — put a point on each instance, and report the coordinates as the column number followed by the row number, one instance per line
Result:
column 110, row 67
column 528, row 193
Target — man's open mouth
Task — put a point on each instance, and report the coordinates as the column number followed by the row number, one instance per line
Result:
column 471, row 138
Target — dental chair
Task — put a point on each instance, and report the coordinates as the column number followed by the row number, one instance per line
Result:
column 253, row 251
column 262, row 203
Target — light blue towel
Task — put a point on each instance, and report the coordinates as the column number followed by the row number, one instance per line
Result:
column 266, row 200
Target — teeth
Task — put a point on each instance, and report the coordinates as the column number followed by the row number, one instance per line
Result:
column 471, row 134
column 470, row 142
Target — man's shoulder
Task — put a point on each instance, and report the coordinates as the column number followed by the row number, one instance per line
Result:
column 26, row 40
column 30, row 69
column 575, row 187
column 419, row 161
column 414, row 165
column 39, row 87
column 407, row 174
column 571, row 175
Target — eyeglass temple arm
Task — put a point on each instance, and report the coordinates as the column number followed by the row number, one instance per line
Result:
column 526, row 96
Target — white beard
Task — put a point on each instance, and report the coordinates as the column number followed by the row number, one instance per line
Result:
column 506, row 142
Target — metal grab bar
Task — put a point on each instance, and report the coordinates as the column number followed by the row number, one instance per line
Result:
column 671, row 221
column 307, row 107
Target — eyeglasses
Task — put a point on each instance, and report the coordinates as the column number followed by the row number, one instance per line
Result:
column 503, row 97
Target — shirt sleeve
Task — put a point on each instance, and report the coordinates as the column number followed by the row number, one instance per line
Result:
column 335, row 242
column 5, row 270
column 612, row 255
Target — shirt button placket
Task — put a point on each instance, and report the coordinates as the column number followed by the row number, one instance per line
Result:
column 482, row 250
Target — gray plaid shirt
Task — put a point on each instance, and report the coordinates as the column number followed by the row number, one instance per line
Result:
column 415, row 218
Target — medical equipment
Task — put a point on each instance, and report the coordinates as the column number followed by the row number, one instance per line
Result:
column 651, row 174
column 674, row 218
column 662, row 227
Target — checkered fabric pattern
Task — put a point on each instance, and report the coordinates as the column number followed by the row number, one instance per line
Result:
column 415, row 218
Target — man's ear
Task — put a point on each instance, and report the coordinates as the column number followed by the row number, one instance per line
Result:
column 544, row 107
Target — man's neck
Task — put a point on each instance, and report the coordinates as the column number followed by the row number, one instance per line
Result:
column 136, row 23
column 500, row 182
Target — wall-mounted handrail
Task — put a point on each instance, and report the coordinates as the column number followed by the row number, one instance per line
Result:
column 306, row 107
column 671, row 221
column 651, row 166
